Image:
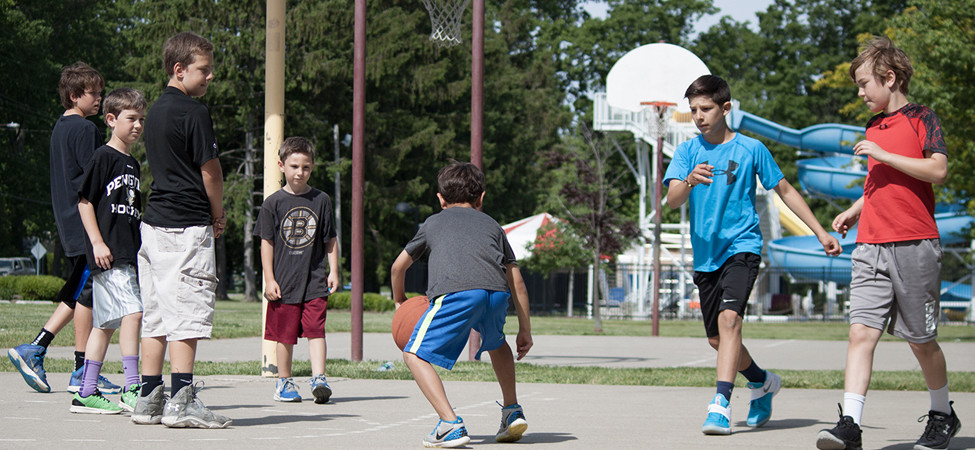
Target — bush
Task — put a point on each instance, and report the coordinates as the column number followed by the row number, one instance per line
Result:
column 371, row 301
column 31, row 287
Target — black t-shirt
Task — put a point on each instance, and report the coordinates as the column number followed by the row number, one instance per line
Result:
column 111, row 185
column 179, row 140
column 73, row 141
column 299, row 226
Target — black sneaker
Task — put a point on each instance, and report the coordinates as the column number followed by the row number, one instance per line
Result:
column 940, row 429
column 844, row 436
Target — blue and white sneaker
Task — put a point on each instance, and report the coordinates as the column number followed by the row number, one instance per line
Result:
column 104, row 386
column 447, row 434
column 513, row 424
column 719, row 417
column 286, row 391
column 320, row 389
column 760, row 408
column 29, row 361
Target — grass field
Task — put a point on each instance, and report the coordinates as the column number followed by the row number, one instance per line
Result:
column 236, row 319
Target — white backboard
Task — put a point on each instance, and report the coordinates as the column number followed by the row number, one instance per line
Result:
column 653, row 72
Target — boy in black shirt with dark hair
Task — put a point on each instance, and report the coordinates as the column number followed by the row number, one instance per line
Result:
column 110, row 205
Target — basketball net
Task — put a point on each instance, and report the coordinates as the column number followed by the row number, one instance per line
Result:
column 658, row 116
column 445, row 19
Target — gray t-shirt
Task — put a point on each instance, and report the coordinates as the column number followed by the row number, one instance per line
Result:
column 468, row 250
column 299, row 226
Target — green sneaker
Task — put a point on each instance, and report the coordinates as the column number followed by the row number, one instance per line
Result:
column 95, row 403
column 129, row 397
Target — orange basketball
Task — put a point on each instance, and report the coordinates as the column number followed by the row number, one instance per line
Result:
column 406, row 317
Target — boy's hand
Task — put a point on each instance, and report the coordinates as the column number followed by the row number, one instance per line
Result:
column 524, row 343
column 219, row 226
column 103, row 256
column 844, row 221
column 272, row 292
column 701, row 174
column 333, row 282
column 871, row 149
column 831, row 245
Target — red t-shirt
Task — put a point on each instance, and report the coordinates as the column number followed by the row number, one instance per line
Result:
column 898, row 207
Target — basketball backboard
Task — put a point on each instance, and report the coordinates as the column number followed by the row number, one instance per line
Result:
column 653, row 72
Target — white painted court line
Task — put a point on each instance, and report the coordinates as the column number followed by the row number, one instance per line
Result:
column 778, row 343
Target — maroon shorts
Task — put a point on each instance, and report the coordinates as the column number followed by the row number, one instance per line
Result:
column 286, row 323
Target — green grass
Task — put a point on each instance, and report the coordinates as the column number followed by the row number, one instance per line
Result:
column 530, row 373
column 235, row 319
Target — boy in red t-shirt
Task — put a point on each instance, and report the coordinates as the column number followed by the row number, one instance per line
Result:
column 897, row 262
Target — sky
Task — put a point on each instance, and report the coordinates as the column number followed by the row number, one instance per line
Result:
column 740, row 10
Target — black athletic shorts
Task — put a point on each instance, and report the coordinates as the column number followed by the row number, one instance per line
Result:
column 77, row 288
column 726, row 288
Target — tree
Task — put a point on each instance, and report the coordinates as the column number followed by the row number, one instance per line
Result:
column 557, row 247
column 940, row 39
column 589, row 194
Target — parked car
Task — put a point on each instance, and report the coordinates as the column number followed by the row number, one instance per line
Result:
column 16, row 266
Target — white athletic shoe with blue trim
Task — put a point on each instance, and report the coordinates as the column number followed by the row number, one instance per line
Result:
column 760, row 408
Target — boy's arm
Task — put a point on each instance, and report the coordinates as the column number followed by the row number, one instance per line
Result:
column 397, row 275
column 679, row 190
column 793, row 199
column 932, row 168
column 272, row 291
column 101, row 252
column 520, row 293
column 213, row 182
column 333, row 265
column 847, row 219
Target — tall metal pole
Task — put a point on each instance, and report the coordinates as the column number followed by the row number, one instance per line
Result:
column 477, row 116
column 273, row 136
column 658, row 156
column 337, row 204
column 358, row 172
column 477, row 83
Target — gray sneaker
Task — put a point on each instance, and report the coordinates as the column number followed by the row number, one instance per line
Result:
column 149, row 410
column 185, row 410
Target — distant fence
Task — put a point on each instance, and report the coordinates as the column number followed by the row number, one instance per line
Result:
column 624, row 292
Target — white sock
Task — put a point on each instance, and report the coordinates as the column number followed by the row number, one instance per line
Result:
column 853, row 406
column 939, row 399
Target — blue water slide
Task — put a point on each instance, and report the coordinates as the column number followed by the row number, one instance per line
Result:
column 825, row 138
column 838, row 176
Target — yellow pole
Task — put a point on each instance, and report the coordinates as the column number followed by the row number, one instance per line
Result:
column 273, row 136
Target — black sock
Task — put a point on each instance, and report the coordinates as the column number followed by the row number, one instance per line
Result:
column 43, row 338
column 79, row 359
column 150, row 382
column 753, row 373
column 179, row 381
column 725, row 388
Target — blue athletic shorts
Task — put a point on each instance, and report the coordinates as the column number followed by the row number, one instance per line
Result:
column 443, row 330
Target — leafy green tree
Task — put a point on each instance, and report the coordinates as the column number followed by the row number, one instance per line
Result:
column 940, row 39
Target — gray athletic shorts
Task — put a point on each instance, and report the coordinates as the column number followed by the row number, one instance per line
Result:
column 116, row 295
column 897, row 286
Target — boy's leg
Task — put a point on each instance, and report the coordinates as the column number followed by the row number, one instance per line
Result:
column 285, row 353
column 88, row 399
column 317, row 348
column 182, row 356
column 431, row 385
column 503, row 362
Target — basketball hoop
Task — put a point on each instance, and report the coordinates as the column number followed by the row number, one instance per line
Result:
column 658, row 115
column 445, row 18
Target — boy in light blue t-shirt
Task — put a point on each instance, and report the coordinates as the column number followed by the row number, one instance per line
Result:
column 727, row 240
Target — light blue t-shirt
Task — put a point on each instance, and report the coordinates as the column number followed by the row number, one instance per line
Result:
column 723, row 217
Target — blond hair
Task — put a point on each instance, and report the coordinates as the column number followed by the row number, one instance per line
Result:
column 882, row 55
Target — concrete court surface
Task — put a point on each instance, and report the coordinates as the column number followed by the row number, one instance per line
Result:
column 393, row 414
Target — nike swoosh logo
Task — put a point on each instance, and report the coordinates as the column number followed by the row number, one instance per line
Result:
column 729, row 300
column 441, row 436
column 766, row 388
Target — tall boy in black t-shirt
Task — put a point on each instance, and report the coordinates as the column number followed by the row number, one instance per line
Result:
column 73, row 141
column 184, row 215
column 297, row 252
column 110, row 205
